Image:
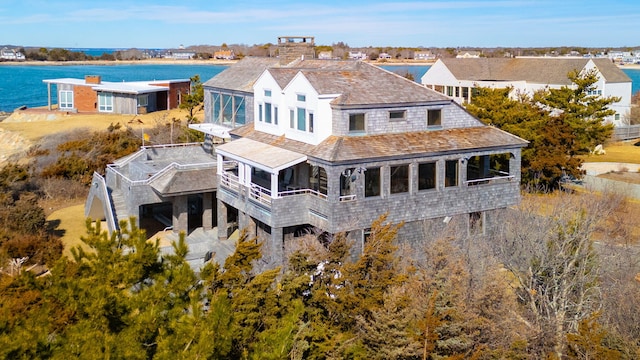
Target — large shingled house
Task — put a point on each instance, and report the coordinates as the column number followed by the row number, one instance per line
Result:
column 336, row 144
column 457, row 78
column 317, row 144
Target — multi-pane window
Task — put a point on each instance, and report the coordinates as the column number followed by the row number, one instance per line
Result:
column 450, row 91
column 105, row 102
column 434, row 117
column 356, row 122
column 427, row 176
column 372, row 182
column 65, row 100
column 451, row 173
column 399, row 179
column 228, row 109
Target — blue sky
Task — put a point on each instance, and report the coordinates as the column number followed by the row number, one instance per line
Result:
column 170, row 23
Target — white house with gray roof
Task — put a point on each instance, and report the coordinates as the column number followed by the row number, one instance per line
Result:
column 457, row 78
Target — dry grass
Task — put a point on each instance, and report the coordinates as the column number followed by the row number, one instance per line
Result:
column 621, row 226
column 36, row 130
column 622, row 152
column 72, row 222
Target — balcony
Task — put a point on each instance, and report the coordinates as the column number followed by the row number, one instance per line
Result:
column 261, row 194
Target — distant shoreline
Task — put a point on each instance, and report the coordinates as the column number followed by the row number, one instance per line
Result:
column 118, row 62
column 181, row 62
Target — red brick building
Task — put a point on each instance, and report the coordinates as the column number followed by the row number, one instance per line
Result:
column 93, row 95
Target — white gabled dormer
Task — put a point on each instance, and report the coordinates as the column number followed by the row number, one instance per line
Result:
column 267, row 98
column 298, row 111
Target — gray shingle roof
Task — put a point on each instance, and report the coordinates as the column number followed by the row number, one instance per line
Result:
column 352, row 149
column 534, row 70
column 358, row 83
column 242, row 75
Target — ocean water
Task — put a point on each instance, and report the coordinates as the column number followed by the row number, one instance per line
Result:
column 22, row 84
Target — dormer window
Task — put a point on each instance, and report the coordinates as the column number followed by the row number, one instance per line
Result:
column 356, row 122
column 434, row 117
column 267, row 93
column 397, row 115
column 301, row 97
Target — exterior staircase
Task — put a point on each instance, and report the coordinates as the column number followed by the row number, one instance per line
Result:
column 118, row 206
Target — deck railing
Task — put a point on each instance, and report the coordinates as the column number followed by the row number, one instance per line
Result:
column 262, row 194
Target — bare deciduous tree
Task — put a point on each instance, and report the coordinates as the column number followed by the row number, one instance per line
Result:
column 548, row 247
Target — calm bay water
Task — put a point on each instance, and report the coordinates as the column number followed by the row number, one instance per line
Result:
column 22, row 85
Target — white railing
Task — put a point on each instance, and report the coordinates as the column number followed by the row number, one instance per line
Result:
column 351, row 197
column 230, row 181
column 260, row 194
column 490, row 180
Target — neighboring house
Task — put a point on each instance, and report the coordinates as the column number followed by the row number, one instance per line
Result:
column 133, row 97
column 325, row 55
column 384, row 56
column 468, row 55
column 457, row 78
column 423, row 55
column 326, row 152
column 11, row 55
column 224, row 55
column 180, row 55
column 358, row 55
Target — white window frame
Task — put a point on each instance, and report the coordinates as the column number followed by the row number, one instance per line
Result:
column 63, row 99
column 107, row 105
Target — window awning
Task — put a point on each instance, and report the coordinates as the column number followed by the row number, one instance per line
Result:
column 212, row 129
column 260, row 155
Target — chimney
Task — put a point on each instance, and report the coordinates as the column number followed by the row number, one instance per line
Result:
column 292, row 48
column 92, row 79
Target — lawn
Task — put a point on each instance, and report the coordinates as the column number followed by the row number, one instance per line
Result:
column 620, row 152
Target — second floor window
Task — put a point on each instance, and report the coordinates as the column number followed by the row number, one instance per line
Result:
column 399, row 179
column 302, row 119
column 451, row 173
column 426, row 176
column 356, row 122
column 372, row 182
column 267, row 113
